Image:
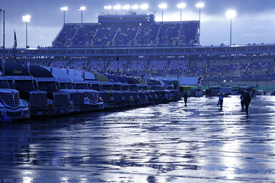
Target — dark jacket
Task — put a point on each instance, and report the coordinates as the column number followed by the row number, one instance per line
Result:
column 185, row 96
column 247, row 98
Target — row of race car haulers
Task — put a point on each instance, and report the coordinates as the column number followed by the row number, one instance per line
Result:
column 34, row 90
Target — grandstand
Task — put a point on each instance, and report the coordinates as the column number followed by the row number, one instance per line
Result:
column 216, row 67
column 138, row 45
column 111, row 32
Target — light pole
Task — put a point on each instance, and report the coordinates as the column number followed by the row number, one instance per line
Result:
column 26, row 19
column 64, row 9
column 82, row 8
column 162, row 6
column 3, row 58
column 144, row 7
column 231, row 14
column 200, row 6
column 181, row 6
column 107, row 8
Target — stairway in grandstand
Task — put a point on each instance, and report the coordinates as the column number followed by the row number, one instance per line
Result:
column 222, row 73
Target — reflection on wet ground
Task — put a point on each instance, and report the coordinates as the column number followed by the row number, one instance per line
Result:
column 162, row 143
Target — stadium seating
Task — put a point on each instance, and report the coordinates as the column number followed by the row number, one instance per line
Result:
column 136, row 67
column 213, row 68
column 59, row 64
column 188, row 33
column 100, row 35
column 197, row 67
column 216, row 67
column 177, row 68
column 79, row 65
column 157, row 68
column 104, row 35
column 98, row 65
column 271, row 73
column 168, row 34
column 235, row 69
column 65, row 36
column 125, row 35
column 257, row 69
column 84, row 35
column 117, row 65
column 146, row 35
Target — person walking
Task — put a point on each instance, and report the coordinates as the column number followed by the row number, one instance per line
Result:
column 185, row 96
column 221, row 100
column 242, row 100
column 247, row 100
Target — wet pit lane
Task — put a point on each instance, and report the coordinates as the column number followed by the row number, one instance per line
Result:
column 162, row 143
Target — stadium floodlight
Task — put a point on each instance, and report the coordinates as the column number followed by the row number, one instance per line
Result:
column 144, row 6
column 81, row 9
column 26, row 18
column 231, row 14
column 181, row 6
column 64, row 9
column 107, row 8
column 200, row 6
column 126, row 7
column 117, row 7
column 135, row 7
column 162, row 6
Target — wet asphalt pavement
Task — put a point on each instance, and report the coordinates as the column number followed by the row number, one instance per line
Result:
column 162, row 143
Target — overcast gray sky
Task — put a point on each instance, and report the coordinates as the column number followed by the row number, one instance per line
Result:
column 254, row 22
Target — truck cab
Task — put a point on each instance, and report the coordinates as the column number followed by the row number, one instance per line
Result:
column 117, row 87
column 125, row 87
column 111, row 98
column 96, row 85
column 144, row 93
column 20, row 79
column 133, row 87
column 11, row 106
column 45, row 81
column 175, row 94
column 65, row 85
column 155, row 85
column 91, row 96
